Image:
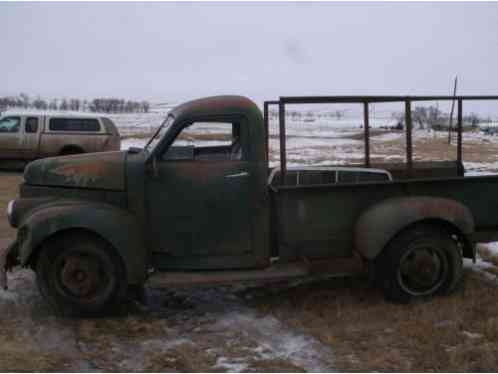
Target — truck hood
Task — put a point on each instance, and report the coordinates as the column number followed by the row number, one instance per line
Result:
column 104, row 171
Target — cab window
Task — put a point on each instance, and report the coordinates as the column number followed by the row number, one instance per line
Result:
column 10, row 124
column 207, row 141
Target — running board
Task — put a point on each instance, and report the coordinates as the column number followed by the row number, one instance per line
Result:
column 275, row 272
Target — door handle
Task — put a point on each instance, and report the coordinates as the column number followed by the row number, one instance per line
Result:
column 238, row 175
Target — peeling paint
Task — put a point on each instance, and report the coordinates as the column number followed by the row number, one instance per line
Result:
column 96, row 170
column 81, row 174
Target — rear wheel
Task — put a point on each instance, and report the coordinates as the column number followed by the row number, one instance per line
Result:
column 420, row 262
column 80, row 275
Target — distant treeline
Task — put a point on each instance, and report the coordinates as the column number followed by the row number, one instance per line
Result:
column 433, row 118
column 104, row 105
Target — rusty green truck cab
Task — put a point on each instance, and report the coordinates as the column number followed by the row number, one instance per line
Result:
column 176, row 214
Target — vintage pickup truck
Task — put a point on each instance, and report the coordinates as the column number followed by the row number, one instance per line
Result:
column 176, row 214
column 28, row 136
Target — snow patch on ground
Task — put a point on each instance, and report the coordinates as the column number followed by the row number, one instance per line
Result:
column 387, row 137
column 215, row 321
column 22, row 288
column 485, row 268
column 277, row 341
column 230, row 365
column 492, row 247
column 480, row 267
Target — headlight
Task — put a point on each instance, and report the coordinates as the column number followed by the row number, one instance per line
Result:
column 10, row 210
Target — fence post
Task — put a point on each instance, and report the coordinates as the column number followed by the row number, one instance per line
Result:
column 408, row 125
column 366, row 123
column 283, row 153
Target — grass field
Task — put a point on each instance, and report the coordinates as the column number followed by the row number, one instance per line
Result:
column 9, row 183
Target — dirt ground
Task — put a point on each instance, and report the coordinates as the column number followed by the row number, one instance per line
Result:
column 318, row 325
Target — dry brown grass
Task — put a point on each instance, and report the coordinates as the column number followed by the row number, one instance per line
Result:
column 9, row 186
column 111, row 340
column 433, row 148
column 140, row 135
column 22, row 360
column 20, row 350
column 368, row 334
column 373, row 132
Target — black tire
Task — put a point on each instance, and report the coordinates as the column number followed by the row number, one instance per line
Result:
column 80, row 275
column 137, row 293
column 420, row 262
column 71, row 151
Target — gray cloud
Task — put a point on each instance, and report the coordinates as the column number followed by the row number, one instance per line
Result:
column 182, row 50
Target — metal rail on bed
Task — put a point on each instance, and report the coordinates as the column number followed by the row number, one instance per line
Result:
column 335, row 169
column 365, row 100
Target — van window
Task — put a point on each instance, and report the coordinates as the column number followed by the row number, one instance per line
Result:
column 31, row 125
column 110, row 126
column 10, row 124
column 74, row 124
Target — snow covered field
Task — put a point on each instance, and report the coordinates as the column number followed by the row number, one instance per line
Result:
column 331, row 141
column 321, row 139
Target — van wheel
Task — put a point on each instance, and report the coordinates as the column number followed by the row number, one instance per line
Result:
column 420, row 262
column 79, row 275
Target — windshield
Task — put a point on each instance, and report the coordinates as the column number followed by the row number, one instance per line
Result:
column 163, row 129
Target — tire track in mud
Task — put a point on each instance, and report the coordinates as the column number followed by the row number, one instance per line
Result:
column 207, row 329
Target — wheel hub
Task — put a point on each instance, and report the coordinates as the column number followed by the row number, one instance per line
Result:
column 80, row 275
column 421, row 271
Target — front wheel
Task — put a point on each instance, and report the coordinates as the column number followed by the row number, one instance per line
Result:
column 80, row 275
column 420, row 262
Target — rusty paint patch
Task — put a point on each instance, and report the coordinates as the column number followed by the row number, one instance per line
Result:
column 93, row 170
column 82, row 173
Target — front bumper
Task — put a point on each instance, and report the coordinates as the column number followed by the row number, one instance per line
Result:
column 8, row 259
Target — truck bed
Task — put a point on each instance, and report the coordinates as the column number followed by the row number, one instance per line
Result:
column 317, row 220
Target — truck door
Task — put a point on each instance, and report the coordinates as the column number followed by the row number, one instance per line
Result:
column 31, row 138
column 199, row 202
column 10, row 137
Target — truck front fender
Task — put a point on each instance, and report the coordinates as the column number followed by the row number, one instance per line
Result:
column 381, row 222
column 118, row 227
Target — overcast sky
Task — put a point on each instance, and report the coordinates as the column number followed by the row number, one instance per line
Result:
column 174, row 51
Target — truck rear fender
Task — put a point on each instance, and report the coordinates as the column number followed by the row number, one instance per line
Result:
column 119, row 228
column 380, row 223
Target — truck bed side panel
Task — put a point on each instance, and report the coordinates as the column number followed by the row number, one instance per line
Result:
column 318, row 221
